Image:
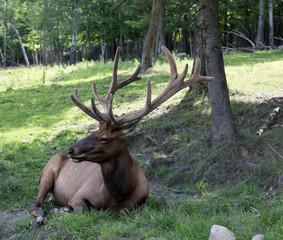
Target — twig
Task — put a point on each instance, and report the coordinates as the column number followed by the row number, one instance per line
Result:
column 173, row 190
column 152, row 140
column 272, row 119
column 120, row 5
column 240, row 184
column 274, row 150
column 239, row 34
column 279, row 38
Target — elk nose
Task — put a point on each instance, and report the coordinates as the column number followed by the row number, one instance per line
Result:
column 70, row 151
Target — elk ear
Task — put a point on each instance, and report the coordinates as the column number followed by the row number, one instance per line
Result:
column 128, row 127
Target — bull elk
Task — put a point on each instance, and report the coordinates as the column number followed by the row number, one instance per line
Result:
column 99, row 171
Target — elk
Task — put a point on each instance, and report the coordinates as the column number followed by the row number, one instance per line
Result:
column 98, row 170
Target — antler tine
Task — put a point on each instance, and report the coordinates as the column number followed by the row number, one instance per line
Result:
column 172, row 64
column 101, row 100
column 138, row 114
column 76, row 100
column 196, row 77
column 99, row 114
column 148, row 97
column 132, row 78
column 110, row 110
column 113, row 86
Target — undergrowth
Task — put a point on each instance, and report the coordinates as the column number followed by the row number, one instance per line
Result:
column 237, row 185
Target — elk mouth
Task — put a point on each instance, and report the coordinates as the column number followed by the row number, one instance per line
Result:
column 77, row 159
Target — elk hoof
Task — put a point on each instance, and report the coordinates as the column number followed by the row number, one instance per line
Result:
column 61, row 211
column 39, row 213
column 40, row 219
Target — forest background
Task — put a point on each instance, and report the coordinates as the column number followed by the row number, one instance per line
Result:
column 66, row 32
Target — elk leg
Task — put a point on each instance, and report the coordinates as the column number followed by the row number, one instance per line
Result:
column 79, row 205
column 46, row 185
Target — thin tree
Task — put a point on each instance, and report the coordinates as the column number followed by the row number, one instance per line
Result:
column 271, row 26
column 73, row 54
column 5, row 46
column 150, row 40
column 160, row 40
column 260, row 28
column 222, row 119
column 21, row 43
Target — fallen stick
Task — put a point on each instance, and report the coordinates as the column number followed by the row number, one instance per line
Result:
column 272, row 119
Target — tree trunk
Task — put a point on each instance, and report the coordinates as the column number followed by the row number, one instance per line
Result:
column 222, row 119
column 5, row 47
column 34, row 52
column 88, row 41
column 161, row 30
column 11, row 48
column 73, row 57
column 21, row 43
column 191, row 45
column 121, row 37
column 254, row 12
column 271, row 26
column 260, row 29
column 102, row 46
column 57, row 53
column 198, row 48
column 2, row 57
column 149, row 43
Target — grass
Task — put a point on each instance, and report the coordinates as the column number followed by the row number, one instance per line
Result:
column 237, row 187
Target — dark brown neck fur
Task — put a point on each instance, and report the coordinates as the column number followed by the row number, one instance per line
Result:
column 119, row 175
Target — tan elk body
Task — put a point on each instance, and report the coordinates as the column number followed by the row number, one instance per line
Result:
column 99, row 171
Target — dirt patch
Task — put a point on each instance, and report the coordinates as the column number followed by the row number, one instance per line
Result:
column 30, row 230
column 9, row 218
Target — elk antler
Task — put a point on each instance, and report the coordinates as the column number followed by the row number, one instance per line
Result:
column 175, row 84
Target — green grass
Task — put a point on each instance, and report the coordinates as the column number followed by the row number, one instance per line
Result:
column 209, row 186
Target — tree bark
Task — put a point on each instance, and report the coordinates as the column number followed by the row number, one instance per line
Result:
column 102, row 46
column 255, row 18
column 21, row 44
column 198, row 50
column 88, row 41
column 121, row 37
column 34, row 51
column 161, row 30
column 271, row 26
column 5, row 47
column 260, row 29
column 222, row 119
column 73, row 57
column 2, row 57
column 149, row 43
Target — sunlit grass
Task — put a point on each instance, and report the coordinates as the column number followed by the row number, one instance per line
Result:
column 258, row 75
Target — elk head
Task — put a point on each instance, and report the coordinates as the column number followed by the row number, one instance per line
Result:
column 109, row 140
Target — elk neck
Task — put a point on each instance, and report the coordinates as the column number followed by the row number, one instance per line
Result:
column 120, row 175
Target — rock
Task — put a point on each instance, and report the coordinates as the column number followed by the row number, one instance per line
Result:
column 258, row 237
column 221, row 233
column 181, row 55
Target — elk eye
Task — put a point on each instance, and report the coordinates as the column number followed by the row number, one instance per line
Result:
column 103, row 140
